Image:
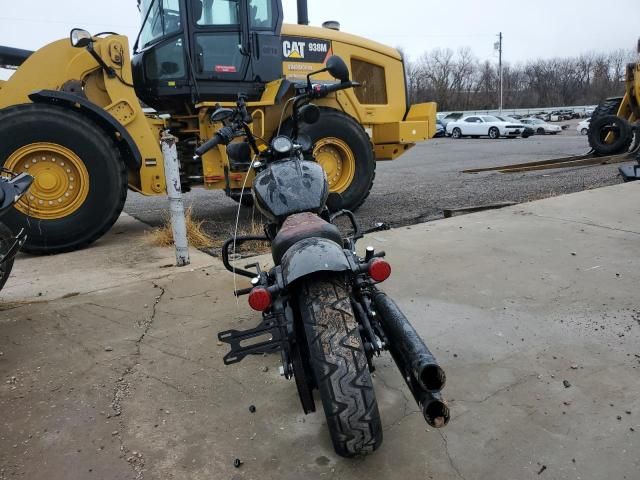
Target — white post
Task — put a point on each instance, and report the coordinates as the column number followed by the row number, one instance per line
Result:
column 174, row 192
column 501, row 78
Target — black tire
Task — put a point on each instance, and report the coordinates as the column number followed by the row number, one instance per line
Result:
column 584, row 131
column 494, row 133
column 456, row 133
column 339, row 363
column 336, row 124
column 33, row 123
column 540, row 131
column 607, row 108
column 6, row 240
column 603, row 127
column 246, row 200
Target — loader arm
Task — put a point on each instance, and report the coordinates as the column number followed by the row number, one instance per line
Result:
column 60, row 67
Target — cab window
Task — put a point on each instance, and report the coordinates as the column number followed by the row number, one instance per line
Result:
column 261, row 14
column 216, row 12
column 160, row 17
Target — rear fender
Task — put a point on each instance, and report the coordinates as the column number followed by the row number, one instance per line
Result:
column 313, row 255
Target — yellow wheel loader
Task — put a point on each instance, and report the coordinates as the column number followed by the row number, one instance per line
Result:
column 84, row 119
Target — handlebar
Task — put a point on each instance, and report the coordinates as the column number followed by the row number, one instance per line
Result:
column 222, row 136
column 321, row 91
column 226, row 134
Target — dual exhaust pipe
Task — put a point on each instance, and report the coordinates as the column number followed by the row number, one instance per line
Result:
column 417, row 365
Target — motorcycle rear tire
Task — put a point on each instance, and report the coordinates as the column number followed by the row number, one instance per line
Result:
column 339, row 363
column 6, row 240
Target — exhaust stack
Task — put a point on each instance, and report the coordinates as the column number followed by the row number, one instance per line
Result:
column 417, row 365
column 303, row 12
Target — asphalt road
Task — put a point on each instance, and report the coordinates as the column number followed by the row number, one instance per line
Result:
column 416, row 187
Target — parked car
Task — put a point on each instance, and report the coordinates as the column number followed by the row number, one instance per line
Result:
column 541, row 127
column 526, row 131
column 483, row 125
column 451, row 117
column 560, row 115
column 440, row 131
column 583, row 126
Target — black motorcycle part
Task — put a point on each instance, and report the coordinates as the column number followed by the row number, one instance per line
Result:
column 303, row 376
column 299, row 227
column 313, row 255
column 10, row 189
column 239, row 241
column 306, row 189
column 339, row 362
column 405, row 343
column 9, row 247
column 273, row 331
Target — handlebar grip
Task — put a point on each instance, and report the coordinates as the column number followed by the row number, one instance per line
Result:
column 209, row 144
column 321, row 91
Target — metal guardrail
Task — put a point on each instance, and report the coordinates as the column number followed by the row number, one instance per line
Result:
column 523, row 111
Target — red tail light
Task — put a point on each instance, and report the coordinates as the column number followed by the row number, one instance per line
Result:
column 379, row 270
column 260, row 299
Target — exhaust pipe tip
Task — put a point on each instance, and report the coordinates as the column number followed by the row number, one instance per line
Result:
column 436, row 413
column 432, row 377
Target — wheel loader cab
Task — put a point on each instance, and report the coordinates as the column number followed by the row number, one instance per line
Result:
column 199, row 50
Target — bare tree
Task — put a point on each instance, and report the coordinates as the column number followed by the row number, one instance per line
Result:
column 458, row 81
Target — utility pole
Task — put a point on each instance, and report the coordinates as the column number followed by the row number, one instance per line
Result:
column 500, row 68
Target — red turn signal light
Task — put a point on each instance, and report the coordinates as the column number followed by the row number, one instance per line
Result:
column 379, row 270
column 260, row 299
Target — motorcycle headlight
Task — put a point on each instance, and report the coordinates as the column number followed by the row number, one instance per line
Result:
column 282, row 144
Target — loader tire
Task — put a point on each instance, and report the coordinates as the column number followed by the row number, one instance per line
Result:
column 6, row 241
column 345, row 152
column 609, row 107
column 610, row 135
column 340, row 367
column 80, row 184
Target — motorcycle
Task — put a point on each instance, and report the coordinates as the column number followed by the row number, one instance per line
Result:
column 321, row 306
column 12, row 188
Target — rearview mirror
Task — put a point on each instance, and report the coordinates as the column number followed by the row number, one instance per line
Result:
column 80, row 38
column 338, row 69
column 221, row 114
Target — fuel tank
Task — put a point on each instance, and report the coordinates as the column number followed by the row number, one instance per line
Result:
column 290, row 186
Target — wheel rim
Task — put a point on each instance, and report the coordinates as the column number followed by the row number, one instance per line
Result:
column 61, row 180
column 338, row 162
column 493, row 133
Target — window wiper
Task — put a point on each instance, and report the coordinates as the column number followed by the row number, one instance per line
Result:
column 144, row 22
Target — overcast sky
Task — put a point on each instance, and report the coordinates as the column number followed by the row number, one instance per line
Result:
column 544, row 28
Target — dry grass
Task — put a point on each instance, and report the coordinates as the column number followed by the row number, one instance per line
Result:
column 163, row 236
column 198, row 238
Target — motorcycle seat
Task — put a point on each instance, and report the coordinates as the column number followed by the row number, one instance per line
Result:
column 300, row 227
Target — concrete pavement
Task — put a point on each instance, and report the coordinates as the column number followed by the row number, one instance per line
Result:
column 532, row 311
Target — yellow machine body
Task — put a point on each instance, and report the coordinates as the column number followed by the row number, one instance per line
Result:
column 380, row 105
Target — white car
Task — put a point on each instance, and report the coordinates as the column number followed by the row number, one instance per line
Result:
column 541, row 127
column 482, row 125
column 583, row 126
